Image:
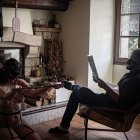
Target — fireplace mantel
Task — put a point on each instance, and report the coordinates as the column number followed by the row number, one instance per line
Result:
column 21, row 38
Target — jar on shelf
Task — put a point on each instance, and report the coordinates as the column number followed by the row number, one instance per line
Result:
column 52, row 23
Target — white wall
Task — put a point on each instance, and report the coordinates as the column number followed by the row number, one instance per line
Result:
column 101, row 39
column 26, row 17
column 75, row 35
column 39, row 15
column 23, row 15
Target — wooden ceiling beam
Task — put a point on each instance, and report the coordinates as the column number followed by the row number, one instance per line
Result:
column 56, row 5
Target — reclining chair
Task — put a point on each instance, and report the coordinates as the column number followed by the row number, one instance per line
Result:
column 117, row 119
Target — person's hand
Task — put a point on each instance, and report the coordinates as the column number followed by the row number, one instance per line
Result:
column 67, row 85
column 95, row 79
column 101, row 83
column 70, row 86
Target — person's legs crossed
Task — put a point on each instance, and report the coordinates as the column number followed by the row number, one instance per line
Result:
column 70, row 110
column 84, row 96
column 68, row 115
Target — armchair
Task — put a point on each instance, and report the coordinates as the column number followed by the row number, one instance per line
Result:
column 118, row 120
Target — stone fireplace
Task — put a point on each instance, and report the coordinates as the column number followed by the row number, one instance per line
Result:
column 30, row 44
column 26, row 49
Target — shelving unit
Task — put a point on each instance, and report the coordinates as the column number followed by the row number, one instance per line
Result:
column 52, row 52
column 48, row 34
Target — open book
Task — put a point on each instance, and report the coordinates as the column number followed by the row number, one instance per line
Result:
column 95, row 73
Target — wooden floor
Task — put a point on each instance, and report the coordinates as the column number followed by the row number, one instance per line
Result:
column 77, row 131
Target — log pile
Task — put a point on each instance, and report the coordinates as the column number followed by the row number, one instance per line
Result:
column 44, row 99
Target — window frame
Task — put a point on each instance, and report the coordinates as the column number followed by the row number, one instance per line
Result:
column 117, row 59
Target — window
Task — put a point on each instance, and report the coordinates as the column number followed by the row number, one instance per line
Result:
column 127, row 29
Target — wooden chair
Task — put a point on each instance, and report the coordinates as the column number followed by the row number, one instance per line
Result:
column 118, row 120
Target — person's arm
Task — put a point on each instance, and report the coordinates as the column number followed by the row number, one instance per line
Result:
column 22, row 83
column 110, row 90
column 113, row 86
column 28, row 91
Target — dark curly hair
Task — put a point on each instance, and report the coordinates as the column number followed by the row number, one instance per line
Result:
column 10, row 70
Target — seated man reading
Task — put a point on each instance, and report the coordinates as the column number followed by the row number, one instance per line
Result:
column 125, row 96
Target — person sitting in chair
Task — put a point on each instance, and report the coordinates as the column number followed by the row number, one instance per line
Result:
column 12, row 92
column 127, row 95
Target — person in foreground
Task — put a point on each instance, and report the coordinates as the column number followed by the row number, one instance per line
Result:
column 126, row 95
column 12, row 92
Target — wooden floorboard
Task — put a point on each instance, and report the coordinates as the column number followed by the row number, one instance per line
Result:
column 77, row 131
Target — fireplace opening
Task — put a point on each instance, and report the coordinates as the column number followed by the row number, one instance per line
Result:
column 17, row 53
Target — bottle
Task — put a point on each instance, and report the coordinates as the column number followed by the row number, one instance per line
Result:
column 52, row 22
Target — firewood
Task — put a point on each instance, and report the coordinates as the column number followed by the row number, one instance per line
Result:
column 39, row 97
column 50, row 93
column 45, row 101
column 34, row 102
column 53, row 100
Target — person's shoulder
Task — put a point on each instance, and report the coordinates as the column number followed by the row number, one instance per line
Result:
column 137, row 74
column 136, row 79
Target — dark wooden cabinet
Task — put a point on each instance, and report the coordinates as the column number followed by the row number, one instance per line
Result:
column 57, row 5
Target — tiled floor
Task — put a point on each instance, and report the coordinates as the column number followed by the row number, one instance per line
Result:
column 77, row 131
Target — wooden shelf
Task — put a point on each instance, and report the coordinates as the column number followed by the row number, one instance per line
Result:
column 44, row 29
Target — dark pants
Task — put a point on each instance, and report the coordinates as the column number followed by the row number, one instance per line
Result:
column 87, row 97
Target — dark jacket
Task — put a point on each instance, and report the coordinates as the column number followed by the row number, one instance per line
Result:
column 129, row 89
